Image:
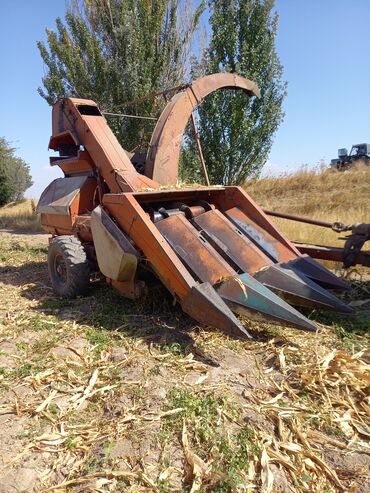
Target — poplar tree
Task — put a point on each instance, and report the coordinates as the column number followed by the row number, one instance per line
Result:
column 115, row 51
column 236, row 131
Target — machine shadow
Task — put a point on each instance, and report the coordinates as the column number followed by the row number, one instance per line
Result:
column 34, row 273
column 154, row 319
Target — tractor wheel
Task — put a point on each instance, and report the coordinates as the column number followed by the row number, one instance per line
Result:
column 68, row 266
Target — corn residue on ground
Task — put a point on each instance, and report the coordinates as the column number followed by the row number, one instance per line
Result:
column 101, row 394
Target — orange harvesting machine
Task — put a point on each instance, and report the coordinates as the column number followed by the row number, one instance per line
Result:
column 212, row 247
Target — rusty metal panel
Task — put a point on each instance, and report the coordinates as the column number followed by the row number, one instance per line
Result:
column 63, row 138
column 232, row 241
column 94, row 133
column 156, row 250
column 196, row 253
column 270, row 245
column 81, row 164
column 59, row 195
column 164, row 150
column 237, row 197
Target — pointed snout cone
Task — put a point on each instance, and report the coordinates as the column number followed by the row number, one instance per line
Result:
column 206, row 306
column 296, row 288
column 246, row 296
column 317, row 272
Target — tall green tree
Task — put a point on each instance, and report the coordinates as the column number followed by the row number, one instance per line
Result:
column 115, row 51
column 236, row 131
column 15, row 175
column 5, row 184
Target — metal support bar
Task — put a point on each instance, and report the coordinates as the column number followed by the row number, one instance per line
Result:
column 200, row 152
column 332, row 254
column 338, row 227
column 298, row 218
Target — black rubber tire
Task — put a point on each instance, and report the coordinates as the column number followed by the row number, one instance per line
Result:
column 68, row 266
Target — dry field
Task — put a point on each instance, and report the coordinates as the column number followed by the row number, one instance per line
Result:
column 100, row 394
column 20, row 216
column 322, row 194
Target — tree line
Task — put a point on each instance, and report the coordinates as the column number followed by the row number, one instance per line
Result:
column 15, row 175
column 117, row 51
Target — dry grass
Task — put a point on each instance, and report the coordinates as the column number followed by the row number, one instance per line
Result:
column 321, row 194
column 20, row 216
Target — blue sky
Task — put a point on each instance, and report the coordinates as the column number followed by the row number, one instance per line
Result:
column 323, row 45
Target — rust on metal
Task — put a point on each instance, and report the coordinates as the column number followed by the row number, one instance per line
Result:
column 231, row 242
column 83, row 121
column 194, row 250
column 164, row 150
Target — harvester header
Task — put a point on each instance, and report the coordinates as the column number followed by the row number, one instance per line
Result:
column 213, row 248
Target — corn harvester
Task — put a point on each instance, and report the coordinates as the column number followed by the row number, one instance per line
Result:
column 212, row 247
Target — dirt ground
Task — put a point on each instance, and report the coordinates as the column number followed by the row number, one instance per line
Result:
column 31, row 239
column 99, row 394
